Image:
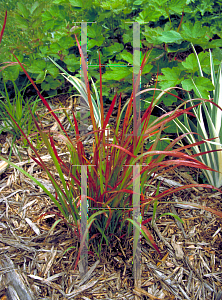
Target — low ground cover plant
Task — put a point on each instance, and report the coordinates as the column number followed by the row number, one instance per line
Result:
column 109, row 168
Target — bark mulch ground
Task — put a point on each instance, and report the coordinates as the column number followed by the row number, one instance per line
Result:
column 34, row 263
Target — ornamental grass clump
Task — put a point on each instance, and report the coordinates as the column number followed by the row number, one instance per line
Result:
column 109, row 168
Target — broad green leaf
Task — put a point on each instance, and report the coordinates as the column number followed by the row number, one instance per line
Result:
column 204, row 6
column 52, row 70
column 200, row 85
column 138, row 2
column 22, row 9
column 11, row 73
column 38, row 10
column 55, row 84
column 21, row 22
column 195, row 34
column 109, row 5
column 96, row 42
column 34, row 6
column 37, row 23
column 51, row 84
column 49, row 24
column 152, row 35
column 205, row 62
column 148, row 15
column 147, row 69
column 127, row 56
column 170, row 37
column 57, row 35
column 127, row 38
column 94, row 31
column 54, row 10
column 191, row 63
column 92, row 43
column 72, row 60
column 187, row 84
column 177, row 6
column 116, row 48
column 117, row 74
column 156, row 54
column 162, row 144
column 160, row 6
column 170, row 78
column 76, row 3
column 61, row 14
column 104, row 15
column 44, row 49
column 46, row 16
column 216, row 43
column 115, row 6
column 66, row 42
column 37, row 66
column 145, row 103
column 55, row 48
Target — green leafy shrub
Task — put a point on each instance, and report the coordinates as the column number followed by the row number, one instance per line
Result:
column 45, row 28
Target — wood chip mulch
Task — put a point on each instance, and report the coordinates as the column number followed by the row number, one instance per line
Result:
column 37, row 259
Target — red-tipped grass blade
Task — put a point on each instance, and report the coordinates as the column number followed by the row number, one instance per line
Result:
column 150, row 238
column 3, row 28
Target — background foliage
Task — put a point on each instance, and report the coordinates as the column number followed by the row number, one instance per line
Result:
column 45, row 28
